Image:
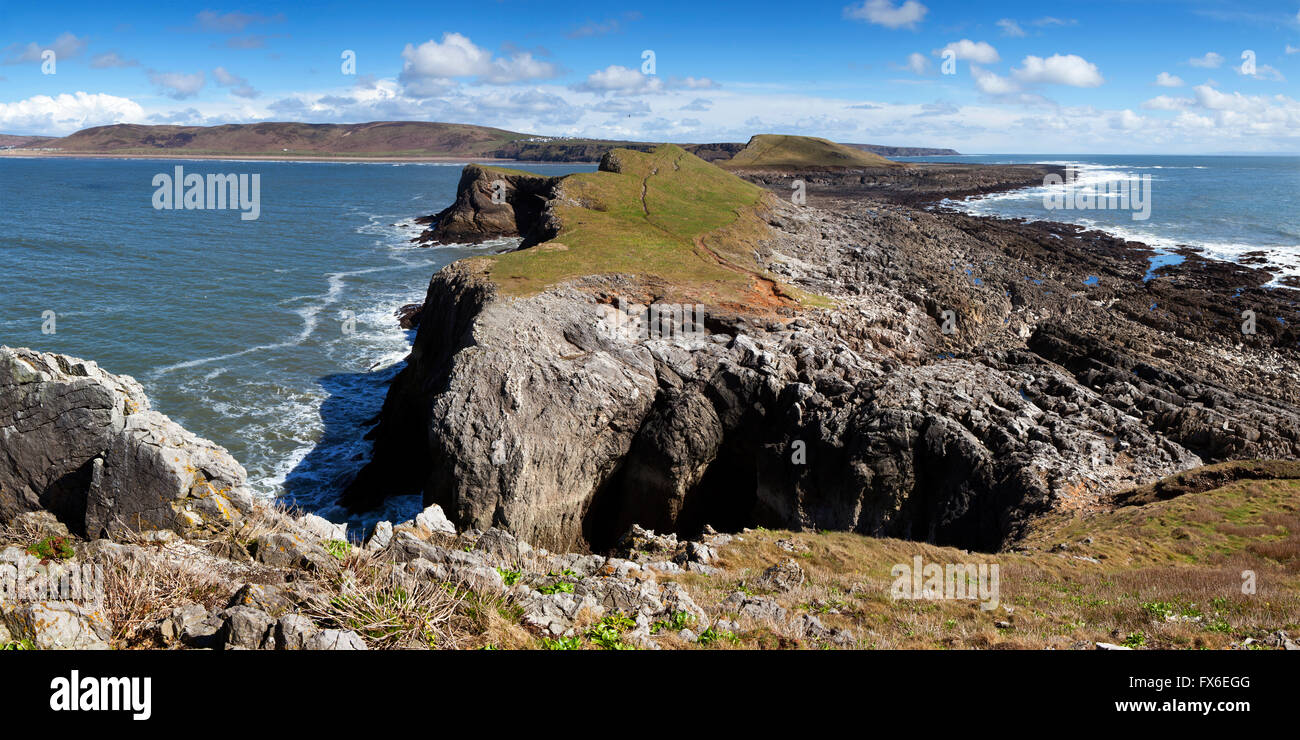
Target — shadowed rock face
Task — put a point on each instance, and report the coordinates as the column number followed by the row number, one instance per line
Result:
column 1051, row 393
column 85, row 445
column 491, row 204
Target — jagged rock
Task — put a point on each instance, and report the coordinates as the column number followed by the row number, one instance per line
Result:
column 433, row 521
column 190, row 623
column 247, row 628
column 57, row 625
column 40, row 524
column 756, row 608
column 554, row 614
column 322, row 528
column 783, row 576
column 286, row 550
column 85, row 445
column 491, row 204
column 870, row 417
column 332, row 639
column 380, row 536
column 273, row 600
column 293, row 631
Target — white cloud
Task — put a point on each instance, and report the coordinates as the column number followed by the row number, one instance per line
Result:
column 883, row 13
column 177, row 85
column 976, row 52
column 1209, row 61
column 619, row 80
column 692, row 83
column 430, row 67
column 1292, row 49
column 1164, row 79
column 1127, row 120
column 1262, row 72
column 992, row 84
column 241, row 87
column 1011, row 28
column 63, row 114
column 918, row 63
column 1059, row 69
column 1166, row 102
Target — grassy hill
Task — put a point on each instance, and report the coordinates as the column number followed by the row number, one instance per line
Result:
column 1165, row 574
column 383, row 138
column 666, row 216
column 779, row 151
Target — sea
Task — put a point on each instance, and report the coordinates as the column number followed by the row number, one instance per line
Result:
column 275, row 337
column 1222, row 206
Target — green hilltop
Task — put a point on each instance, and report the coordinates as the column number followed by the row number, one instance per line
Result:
column 667, row 217
column 775, row 150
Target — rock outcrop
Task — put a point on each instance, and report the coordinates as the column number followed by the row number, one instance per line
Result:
column 968, row 377
column 85, row 445
column 492, row 203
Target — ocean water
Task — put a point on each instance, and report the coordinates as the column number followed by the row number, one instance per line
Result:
column 1223, row 206
column 273, row 337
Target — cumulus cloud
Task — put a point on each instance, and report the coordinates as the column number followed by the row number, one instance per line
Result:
column 1262, row 72
column 992, row 84
column 241, row 87
column 1209, row 61
column 698, row 104
column 66, row 113
column 429, row 68
column 177, row 85
column 1059, row 69
column 1127, row 120
column 885, row 13
column 1011, row 28
column 1166, row 102
column 66, row 46
column 918, row 63
column 976, row 52
column 619, row 80
column 1164, row 79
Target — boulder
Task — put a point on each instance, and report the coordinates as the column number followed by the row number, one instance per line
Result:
column 84, row 445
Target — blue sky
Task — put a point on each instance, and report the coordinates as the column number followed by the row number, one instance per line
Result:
column 1022, row 77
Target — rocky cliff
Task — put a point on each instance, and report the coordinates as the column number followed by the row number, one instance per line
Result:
column 85, row 445
column 957, row 377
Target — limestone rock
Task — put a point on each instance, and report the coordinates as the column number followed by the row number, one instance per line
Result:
column 84, row 445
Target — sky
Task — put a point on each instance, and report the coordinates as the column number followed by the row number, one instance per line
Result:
column 1192, row 76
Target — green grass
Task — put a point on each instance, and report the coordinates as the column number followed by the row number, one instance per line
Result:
column 666, row 217
column 773, row 150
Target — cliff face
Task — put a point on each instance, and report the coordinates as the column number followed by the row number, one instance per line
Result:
column 84, row 445
column 883, row 415
column 491, row 203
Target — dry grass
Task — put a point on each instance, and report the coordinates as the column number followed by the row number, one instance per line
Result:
column 1165, row 575
column 138, row 593
column 392, row 609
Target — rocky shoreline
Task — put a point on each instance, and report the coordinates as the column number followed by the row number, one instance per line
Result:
column 1064, row 376
column 960, row 381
